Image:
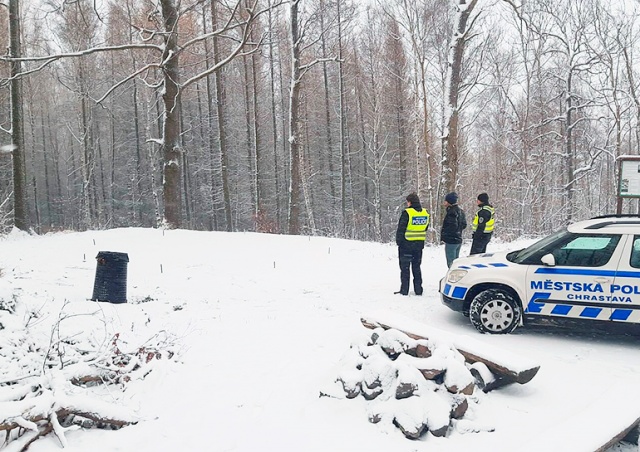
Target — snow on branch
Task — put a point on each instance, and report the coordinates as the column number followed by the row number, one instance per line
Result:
column 80, row 53
column 239, row 49
column 46, row 60
column 53, row 384
column 589, row 166
column 305, row 67
column 125, row 80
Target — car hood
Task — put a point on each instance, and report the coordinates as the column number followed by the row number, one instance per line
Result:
column 481, row 259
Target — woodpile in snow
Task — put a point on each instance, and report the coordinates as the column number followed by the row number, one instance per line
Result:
column 422, row 379
column 416, row 385
column 491, row 367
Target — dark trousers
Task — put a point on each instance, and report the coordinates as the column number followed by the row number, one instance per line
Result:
column 479, row 244
column 410, row 260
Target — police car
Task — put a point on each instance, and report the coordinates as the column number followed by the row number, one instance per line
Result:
column 588, row 271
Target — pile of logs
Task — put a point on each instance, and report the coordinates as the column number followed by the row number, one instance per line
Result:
column 419, row 384
column 416, row 387
column 491, row 366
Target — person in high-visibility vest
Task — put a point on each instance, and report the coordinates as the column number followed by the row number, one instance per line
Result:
column 410, row 237
column 482, row 225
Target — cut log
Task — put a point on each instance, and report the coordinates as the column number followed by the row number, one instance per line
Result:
column 459, row 406
column 508, row 367
column 633, row 436
column 627, row 432
column 421, row 350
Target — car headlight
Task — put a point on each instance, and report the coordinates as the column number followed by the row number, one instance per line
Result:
column 456, row 275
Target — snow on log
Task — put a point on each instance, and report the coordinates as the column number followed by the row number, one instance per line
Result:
column 507, row 366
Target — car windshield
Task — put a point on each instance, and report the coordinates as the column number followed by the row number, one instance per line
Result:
column 537, row 249
column 571, row 249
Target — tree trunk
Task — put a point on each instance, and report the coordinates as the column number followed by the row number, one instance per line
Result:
column 47, row 182
column 171, row 124
column 185, row 174
column 274, row 125
column 344, row 173
column 259, row 192
column 213, row 156
column 363, row 146
column 55, row 154
column 220, row 112
column 87, row 158
column 20, row 209
column 327, row 114
column 454, row 80
column 32, row 166
column 251, row 156
column 295, row 185
column 568, row 151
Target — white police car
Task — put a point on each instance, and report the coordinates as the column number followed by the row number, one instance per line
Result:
column 588, row 271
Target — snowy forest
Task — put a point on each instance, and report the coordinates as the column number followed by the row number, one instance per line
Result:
column 313, row 116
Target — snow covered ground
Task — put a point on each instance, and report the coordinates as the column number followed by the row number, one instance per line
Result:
column 260, row 324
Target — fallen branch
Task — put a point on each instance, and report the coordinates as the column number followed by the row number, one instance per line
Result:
column 44, row 411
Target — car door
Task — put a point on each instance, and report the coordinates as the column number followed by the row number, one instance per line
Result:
column 625, row 291
column 579, row 284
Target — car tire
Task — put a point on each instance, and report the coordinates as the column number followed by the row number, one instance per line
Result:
column 495, row 311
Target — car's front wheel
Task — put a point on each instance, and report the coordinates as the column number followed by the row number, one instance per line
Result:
column 495, row 311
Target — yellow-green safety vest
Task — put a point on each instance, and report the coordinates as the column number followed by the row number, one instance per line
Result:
column 417, row 226
column 488, row 226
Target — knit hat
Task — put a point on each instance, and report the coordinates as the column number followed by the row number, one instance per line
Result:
column 483, row 198
column 413, row 198
column 452, row 198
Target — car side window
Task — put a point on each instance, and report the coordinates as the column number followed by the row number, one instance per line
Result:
column 586, row 251
column 635, row 253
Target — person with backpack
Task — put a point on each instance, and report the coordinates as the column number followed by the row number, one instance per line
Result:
column 453, row 224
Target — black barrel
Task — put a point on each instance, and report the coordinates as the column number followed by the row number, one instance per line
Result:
column 111, row 277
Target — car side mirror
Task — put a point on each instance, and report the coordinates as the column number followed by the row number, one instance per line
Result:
column 548, row 260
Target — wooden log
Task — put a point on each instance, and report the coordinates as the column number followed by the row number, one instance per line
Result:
column 508, row 367
column 633, row 436
column 628, row 432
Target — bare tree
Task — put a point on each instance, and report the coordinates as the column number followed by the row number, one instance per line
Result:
column 240, row 18
column 450, row 139
column 299, row 41
column 20, row 209
column 567, row 29
column 295, row 184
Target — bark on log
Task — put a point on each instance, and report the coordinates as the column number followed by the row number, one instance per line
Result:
column 626, row 433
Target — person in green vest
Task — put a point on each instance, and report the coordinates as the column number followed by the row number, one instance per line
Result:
column 410, row 237
column 482, row 225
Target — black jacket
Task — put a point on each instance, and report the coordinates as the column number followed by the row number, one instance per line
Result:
column 453, row 224
column 410, row 245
